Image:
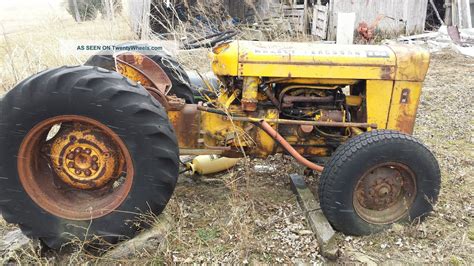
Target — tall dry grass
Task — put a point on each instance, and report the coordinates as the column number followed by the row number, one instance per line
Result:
column 36, row 48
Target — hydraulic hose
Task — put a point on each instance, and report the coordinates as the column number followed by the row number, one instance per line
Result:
column 276, row 136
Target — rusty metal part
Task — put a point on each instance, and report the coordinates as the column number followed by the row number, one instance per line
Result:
column 200, row 152
column 59, row 174
column 306, row 128
column 142, row 69
column 159, row 96
column 175, row 103
column 211, row 110
column 304, row 122
column 249, row 94
column 367, row 31
column 275, row 135
column 331, row 116
column 303, row 86
column 385, row 193
column 187, row 125
column 307, row 99
column 268, row 91
column 84, row 158
column 290, row 122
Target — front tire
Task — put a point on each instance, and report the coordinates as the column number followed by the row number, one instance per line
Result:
column 112, row 156
column 376, row 179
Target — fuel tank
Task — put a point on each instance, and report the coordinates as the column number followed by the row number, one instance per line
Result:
column 320, row 61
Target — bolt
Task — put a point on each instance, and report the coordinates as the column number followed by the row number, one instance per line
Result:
column 88, row 151
column 70, row 165
column 78, row 172
column 371, row 192
column 78, row 150
column 87, row 172
column 70, row 156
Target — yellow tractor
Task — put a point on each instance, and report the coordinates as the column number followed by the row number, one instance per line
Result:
column 85, row 149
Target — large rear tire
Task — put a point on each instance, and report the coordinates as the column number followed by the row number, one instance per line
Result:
column 376, row 179
column 84, row 152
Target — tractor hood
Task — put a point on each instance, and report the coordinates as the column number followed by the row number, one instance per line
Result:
column 312, row 60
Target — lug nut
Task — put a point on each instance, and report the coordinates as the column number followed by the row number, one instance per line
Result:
column 94, row 167
column 78, row 150
column 70, row 156
column 87, row 172
column 78, row 172
column 94, row 158
column 70, row 165
column 88, row 151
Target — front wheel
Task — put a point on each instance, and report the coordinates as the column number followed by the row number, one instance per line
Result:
column 376, row 179
column 84, row 152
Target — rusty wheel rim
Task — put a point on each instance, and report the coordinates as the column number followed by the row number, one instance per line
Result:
column 385, row 193
column 75, row 167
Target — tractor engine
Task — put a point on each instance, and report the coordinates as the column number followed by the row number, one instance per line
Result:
column 315, row 96
column 294, row 100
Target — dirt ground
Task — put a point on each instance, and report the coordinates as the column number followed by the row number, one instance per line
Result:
column 250, row 215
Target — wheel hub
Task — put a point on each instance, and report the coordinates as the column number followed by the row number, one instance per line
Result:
column 380, row 188
column 75, row 167
column 83, row 159
column 385, row 193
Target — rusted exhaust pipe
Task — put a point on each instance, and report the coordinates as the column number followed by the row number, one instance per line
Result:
column 275, row 135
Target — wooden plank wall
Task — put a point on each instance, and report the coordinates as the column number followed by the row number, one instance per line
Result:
column 407, row 16
column 320, row 21
column 461, row 13
column 139, row 12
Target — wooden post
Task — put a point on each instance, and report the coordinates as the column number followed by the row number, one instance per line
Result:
column 305, row 17
column 448, row 16
column 139, row 13
column 76, row 11
column 108, row 6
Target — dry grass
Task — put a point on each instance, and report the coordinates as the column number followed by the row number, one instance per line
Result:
column 29, row 51
column 253, row 217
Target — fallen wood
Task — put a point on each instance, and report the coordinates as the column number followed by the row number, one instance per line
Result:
column 149, row 241
column 15, row 242
column 316, row 219
column 428, row 35
column 436, row 12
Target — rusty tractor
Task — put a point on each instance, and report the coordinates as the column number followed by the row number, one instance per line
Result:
column 86, row 149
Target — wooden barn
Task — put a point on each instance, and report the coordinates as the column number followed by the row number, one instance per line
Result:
column 320, row 17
